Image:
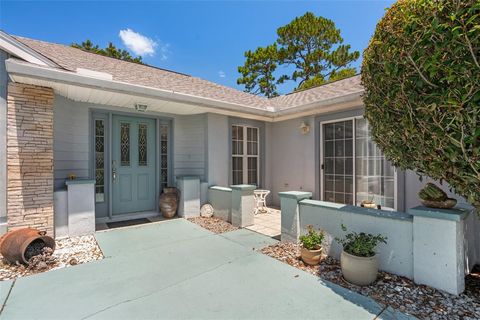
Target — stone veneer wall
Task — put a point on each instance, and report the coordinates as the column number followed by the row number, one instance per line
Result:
column 30, row 157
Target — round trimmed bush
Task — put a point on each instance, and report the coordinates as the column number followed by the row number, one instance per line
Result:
column 421, row 73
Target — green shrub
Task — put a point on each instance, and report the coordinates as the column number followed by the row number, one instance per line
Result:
column 313, row 239
column 432, row 192
column 360, row 244
column 421, row 73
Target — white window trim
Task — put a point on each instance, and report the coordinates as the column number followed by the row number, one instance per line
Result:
column 322, row 175
column 245, row 154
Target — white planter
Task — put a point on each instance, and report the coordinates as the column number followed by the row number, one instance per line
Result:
column 361, row 271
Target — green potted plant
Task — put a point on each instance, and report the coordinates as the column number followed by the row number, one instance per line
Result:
column 311, row 249
column 359, row 261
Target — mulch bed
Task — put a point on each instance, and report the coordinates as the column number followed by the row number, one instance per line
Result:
column 213, row 224
column 396, row 291
column 68, row 252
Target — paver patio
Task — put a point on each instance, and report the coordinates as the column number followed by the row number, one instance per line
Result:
column 177, row 270
column 268, row 224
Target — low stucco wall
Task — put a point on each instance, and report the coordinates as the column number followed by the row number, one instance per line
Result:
column 221, row 200
column 435, row 247
column 396, row 256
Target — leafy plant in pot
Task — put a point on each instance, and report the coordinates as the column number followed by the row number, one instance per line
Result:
column 359, row 261
column 311, row 249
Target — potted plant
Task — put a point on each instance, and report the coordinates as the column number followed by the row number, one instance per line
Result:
column 311, row 249
column 369, row 203
column 359, row 261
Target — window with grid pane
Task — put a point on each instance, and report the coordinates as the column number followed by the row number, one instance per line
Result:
column 245, row 155
column 354, row 169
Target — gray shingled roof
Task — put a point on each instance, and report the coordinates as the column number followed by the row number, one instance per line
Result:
column 71, row 58
column 327, row 91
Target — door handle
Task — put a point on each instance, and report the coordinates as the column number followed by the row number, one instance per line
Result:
column 114, row 171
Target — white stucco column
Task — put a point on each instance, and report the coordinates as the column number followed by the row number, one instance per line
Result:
column 80, row 207
column 290, row 214
column 189, row 204
column 242, row 205
column 438, row 247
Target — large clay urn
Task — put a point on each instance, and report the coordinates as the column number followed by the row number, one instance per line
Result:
column 169, row 202
column 14, row 244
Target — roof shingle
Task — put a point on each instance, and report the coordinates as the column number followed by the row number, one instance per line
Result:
column 71, row 58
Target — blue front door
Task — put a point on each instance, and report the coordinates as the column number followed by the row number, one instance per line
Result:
column 133, row 165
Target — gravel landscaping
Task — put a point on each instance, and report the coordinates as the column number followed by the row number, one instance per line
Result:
column 68, row 252
column 212, row 224
column 398, row 292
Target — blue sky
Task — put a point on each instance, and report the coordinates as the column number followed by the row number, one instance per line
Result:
column 204, row 39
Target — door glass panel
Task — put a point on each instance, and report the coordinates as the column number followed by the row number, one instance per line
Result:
column 338, row 162
column 163, row 157
column 125, row 144
column 99, row 161
column 375, row 178
column 142, row 144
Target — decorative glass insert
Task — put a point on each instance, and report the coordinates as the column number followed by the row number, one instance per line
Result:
column 99, row 161
column 142, row 144
column 125, row 144
column 163, row 156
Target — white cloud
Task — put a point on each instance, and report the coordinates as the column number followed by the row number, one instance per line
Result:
column 140, row 44
column 221, row 74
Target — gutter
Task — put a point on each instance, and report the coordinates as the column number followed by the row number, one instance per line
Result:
column 16, row 67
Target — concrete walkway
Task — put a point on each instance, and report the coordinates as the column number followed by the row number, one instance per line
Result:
column 177, row 270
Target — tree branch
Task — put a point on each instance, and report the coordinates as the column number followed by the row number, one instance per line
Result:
column 420, row 72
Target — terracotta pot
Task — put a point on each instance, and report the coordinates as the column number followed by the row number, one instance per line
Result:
column 169, row 202
column 311, row 257
column 14, row 243
column 361, row 271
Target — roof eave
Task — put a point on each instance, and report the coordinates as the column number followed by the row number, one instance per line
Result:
column 56, row 75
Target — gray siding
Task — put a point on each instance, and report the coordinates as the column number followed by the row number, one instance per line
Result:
column 218, row 150
column 3, row 139
column 189, row 145
column 71, row 144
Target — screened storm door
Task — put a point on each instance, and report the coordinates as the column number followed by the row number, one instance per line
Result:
column 338, row 162
column 133, row 164
column 245, row 155
column 353, row 167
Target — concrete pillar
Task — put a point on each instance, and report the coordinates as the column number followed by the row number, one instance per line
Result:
column 438, row 247
column 189, row 205
column 243, row 205
column 290, row 214
column 81, row 207
column 221, row 200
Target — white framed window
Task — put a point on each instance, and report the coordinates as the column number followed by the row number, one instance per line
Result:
column 245, row 155
column 353, row 168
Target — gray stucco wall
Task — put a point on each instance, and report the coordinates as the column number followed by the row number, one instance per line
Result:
column 291, row 157
column 3, row 140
